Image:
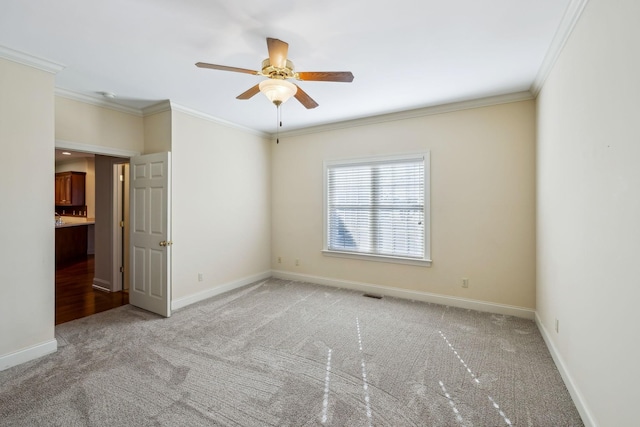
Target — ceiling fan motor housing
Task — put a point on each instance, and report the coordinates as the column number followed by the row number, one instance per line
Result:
column 273, row 72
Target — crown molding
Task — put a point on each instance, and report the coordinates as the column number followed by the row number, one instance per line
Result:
column 30, row 60
column 168, row 105
column 569, row 20
column 204, row 116
column 97, row 100
column 159, row 107
column 410, row 114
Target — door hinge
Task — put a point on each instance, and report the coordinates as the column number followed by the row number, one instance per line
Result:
column 121, row 269
column 121, row 178
column 122, row 224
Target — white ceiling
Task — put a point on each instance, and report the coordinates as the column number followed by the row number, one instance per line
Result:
column 404, row 54
column 71, row 155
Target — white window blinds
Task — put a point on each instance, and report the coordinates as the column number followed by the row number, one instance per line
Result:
column 377, row 207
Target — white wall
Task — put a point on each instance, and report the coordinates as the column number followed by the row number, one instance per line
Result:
column 221, row 214
column 589, row 211
column 27, row 226
column 482, row 202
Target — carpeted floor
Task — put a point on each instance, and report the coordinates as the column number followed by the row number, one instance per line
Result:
column 280, row 353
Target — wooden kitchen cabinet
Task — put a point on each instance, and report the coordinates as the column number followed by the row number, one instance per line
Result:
column 71, row 243
column 69, row 189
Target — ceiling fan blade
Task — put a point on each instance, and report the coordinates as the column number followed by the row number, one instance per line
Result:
column 249, row 93
column 278, row 51
column 225, row 68
column 305, row 99
column 327, row 76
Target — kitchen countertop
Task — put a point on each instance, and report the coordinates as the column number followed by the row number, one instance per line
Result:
column 74, row 222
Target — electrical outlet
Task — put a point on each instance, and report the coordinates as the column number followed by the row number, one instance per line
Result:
column 297, row 262
column 465, row 282
column 557, row 326
column 279, row 260
column 200, row 277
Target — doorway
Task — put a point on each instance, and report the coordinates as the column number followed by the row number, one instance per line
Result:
column 95, row 281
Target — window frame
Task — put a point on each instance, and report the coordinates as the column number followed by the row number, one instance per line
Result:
column 426, row 260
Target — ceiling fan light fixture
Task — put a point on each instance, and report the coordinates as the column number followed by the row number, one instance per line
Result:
column 278, row 91
column 279, row 69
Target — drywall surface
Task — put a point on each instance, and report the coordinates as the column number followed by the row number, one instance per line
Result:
column 588, row 210
column 221, row 214
column 157, row 132
column 482, row 202
column 27, row 226
column 88, row 124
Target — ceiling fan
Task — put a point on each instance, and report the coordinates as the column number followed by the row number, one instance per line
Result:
column 279, row 69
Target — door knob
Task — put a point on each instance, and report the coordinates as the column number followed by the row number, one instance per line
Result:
column 165, row 243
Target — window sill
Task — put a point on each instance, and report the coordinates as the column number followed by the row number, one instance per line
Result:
column 378, row 258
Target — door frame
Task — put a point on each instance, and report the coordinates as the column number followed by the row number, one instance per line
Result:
column 95, row 149
column 125, row 155
column 120, row 214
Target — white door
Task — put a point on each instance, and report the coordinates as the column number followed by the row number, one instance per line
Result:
column 150, row 225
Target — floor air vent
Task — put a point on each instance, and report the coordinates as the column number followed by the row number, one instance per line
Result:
column 372, row 296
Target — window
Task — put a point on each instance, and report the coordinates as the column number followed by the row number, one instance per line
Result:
column 378, row 208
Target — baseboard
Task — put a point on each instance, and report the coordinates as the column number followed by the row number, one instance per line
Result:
column 30, row 353
column 471, row 304
column 101, row 285
column 220, row 289
column 578, row 400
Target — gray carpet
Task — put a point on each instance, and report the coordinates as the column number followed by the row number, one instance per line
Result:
column 280, row 353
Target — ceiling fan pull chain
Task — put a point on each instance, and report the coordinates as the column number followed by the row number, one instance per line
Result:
column 278, row 124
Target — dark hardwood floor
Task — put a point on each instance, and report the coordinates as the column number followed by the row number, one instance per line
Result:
column 75, row 296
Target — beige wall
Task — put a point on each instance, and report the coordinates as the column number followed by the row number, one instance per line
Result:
column 482, row 202
column 87, row 124
column 221, row 205
column 27, row 228
column 157, row 132
column 588, row 211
